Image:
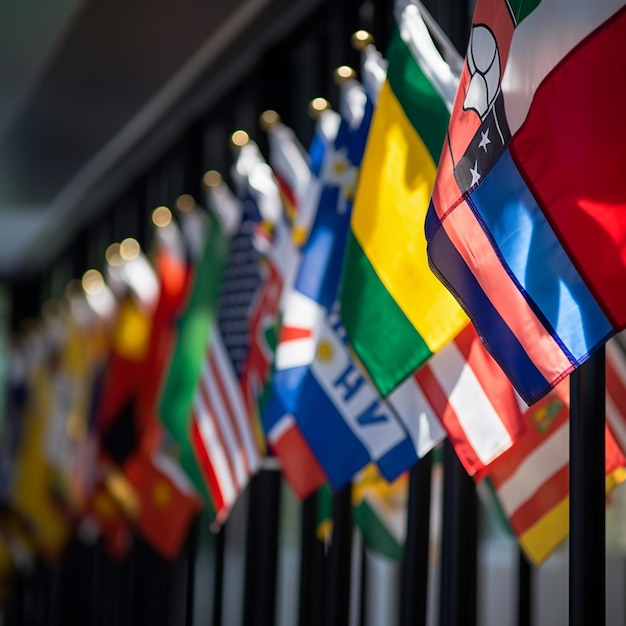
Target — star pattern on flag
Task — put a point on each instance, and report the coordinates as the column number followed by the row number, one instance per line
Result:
column 475, row 174
column 484, row 141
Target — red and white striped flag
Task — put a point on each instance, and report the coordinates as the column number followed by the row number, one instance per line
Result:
column 474, row 400
column 531, row 480
column 222, row 434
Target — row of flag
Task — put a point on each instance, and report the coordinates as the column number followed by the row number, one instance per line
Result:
column 347, row 307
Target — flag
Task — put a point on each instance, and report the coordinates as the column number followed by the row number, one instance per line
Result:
column 531, row 480
column 396, row 313
column 201, row 404
column 380, row 511
column 290, row 165
column 277, row 265
column 525, row 225
column 32, row 489
column 296, row 182
column 474, row 400
column 174, row 274
column 341, row 415
column 167, row 502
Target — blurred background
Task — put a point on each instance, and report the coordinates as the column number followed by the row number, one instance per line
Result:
column 109, row 109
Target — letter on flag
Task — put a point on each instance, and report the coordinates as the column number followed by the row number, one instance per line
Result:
column 526, row 225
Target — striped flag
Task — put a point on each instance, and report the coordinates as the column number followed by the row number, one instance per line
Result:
column 526, row 225
column 475, row 401
column 531, row 480
column 199, row 386
column 396, row 313
column 221, row 432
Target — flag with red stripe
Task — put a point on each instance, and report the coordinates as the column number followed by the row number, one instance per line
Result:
column 474, row 400
column 222, row 435
column 531, row 480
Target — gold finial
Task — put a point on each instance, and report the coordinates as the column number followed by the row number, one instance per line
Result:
column 92, row 282
column 268, row 119
column 113, row 255
column 185, row 203
column 239, row 138
column 343, row 74
column 317, row 105
column 161, row 216
column 361, row 39
column 211, row 179
column 129, row 249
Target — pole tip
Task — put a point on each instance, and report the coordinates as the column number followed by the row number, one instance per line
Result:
column 343, row 74
column 211, row 179
column 239, row 138
column 268, row 119
column 317, row 105
column 185, row 203
column 361, row 39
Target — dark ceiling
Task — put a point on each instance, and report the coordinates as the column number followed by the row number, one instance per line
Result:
column 81, row 83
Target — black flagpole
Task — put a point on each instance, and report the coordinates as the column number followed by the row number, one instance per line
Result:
column 524, row 590
column 587, row 560
column 414, row 585
column 339, row 559
column 457, row 602
column 261, row 567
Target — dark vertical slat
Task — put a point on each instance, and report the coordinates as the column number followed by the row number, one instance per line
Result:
column 311, row 566
column 262, row 549
column 524, row 591
column 218, row 582
column 192, row 551
column 587, row 585
column 414, row 586
column 457, row 602
column 339, row 560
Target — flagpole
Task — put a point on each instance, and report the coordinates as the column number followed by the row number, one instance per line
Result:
column 218, row 580
column 587, row 493
column 311, row 566
column 457, row 601
column 414, row 584
column 524, row 591
column 339, row 559
column 262, row 546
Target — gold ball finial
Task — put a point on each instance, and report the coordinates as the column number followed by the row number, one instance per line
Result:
column 361, row 39
column 239, row 138
column 268, row 119
column 113, row 255
column 161, row 216
column 185, row 203
column 129, row 249
column 211, row 179
column 317, row 105
column 343, row 74
column 92, row 282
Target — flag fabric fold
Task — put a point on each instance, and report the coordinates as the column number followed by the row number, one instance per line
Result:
column 525, row 224
column 396, row 312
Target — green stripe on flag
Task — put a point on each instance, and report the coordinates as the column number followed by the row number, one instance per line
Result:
column 403, row 348
column 421, row 103
column 375, row 534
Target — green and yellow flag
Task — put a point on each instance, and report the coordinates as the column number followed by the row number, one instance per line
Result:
column 396, row 312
